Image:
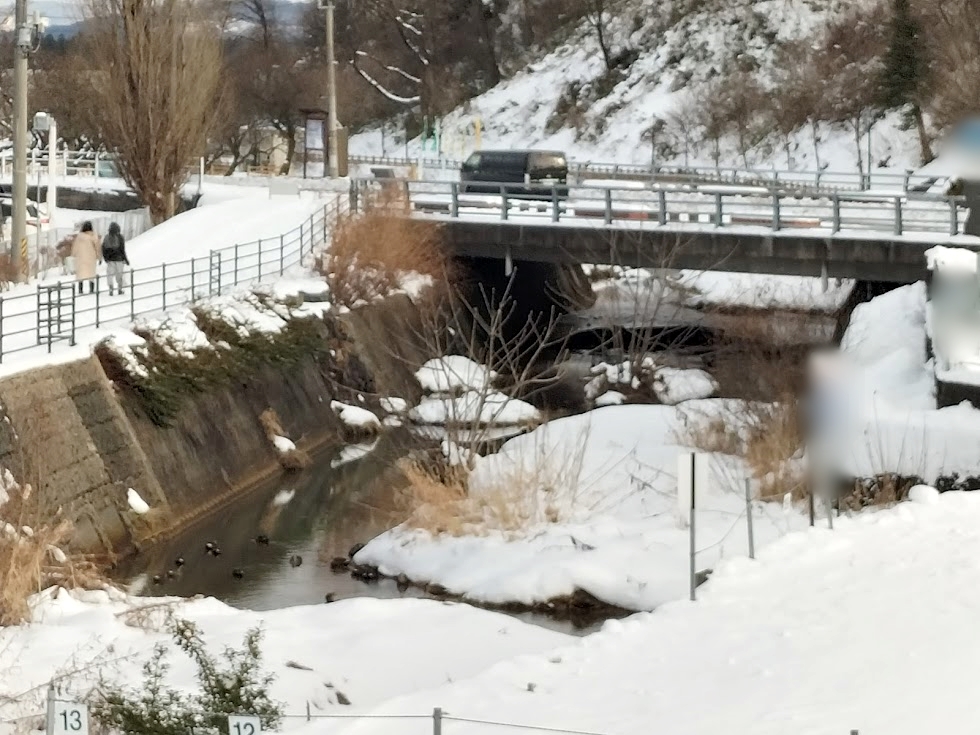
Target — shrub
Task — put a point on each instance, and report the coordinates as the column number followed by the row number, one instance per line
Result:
column 373, row 251
column 166, row 376
column 236, row 686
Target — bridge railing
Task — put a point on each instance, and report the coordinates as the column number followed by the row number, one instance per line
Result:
column 720, row 206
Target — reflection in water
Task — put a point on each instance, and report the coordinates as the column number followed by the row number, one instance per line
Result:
column 308, row 518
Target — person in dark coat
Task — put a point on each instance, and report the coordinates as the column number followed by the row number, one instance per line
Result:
column 114, row 254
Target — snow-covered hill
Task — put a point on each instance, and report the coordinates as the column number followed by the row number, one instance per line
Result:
column 567, row 99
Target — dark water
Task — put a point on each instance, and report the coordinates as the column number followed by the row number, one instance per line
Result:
column 331, row 509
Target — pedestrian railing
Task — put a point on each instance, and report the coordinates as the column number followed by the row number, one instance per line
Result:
column 54, row 311
column 677, row 206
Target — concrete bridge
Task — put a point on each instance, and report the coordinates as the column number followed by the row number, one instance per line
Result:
column 749, row 229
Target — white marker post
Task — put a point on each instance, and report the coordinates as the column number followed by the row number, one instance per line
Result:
column 244, row 725
column 692, row 474
column 66, row 718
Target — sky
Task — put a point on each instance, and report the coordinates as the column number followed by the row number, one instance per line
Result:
column 58, row 12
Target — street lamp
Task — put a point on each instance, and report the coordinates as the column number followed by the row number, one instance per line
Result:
column 327, row 7
column 45, row 123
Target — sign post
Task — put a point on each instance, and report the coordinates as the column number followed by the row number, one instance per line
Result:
column 244, row 725
column 66, row 718
column 692, row 476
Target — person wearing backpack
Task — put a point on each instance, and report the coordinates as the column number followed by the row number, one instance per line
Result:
column 114, row 255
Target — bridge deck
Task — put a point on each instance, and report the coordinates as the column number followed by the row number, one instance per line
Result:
column 739, row 229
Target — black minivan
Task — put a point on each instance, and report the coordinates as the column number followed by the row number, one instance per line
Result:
column 528, row 174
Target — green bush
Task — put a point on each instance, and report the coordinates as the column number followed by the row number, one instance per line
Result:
column 232, row 684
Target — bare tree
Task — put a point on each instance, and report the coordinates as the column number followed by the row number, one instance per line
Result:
column 850, row 59
column 598, row 14
column 952, row 34
column 156, row 73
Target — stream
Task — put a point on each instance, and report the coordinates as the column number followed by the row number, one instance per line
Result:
column 309, row 517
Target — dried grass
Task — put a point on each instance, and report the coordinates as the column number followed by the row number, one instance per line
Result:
column 765, row 435
column 523, row 492
column 372, row 251
column 31, row 555
column 294, row 459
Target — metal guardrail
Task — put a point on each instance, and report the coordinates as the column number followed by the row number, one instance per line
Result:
column 54, row 311
column 725, row 207
column 825, row 181
column 89, row 163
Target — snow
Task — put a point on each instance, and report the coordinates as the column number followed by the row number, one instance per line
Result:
column 283, row 445
column 283, row 497
column 136, row 503
column 681, row 49
column 674, row 385
column 370, row 650
column 482, row 408
column 393, row 404
column 924, row 494
column 898, row 427
column 958, row 260
column 355, row 416
column 453, row 373
column 610, row 398
column 594, row 497
column 815, row 636
column 196, row 232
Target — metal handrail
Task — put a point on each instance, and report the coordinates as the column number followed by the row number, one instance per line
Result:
column 722, row 207
column 155, row 289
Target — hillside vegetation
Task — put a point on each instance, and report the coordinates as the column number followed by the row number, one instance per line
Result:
column 784, row 83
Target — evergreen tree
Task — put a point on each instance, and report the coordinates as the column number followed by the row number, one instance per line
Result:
column 904, row 72
column 904, row 63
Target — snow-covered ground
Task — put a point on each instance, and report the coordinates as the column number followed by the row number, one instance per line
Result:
column 368, row 651
column 679, row 51
column 639, row 293
column 599, row 491
column 816, row 636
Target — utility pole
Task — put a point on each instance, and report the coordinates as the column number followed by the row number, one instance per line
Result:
column 22, row 47
column 331, row 94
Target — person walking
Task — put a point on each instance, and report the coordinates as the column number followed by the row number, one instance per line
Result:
column 114, row 255
column 85, row 251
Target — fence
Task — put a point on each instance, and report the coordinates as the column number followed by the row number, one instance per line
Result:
column 64, row 717
column 581, row 171
column 55, row 312
column 774, row 210
column 91, row 163
column 41, row 252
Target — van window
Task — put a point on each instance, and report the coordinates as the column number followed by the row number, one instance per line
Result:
column 472, row 163
column 548, row 161
column 503, row 160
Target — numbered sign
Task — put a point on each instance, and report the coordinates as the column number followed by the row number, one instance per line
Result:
column 244, row 725
column 69, row 718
